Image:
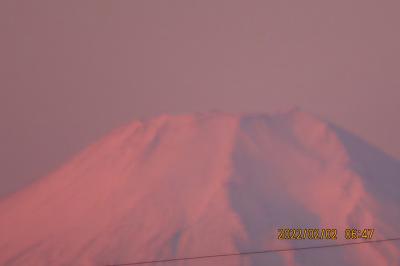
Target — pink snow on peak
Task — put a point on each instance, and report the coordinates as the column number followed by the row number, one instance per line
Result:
column 207, row 183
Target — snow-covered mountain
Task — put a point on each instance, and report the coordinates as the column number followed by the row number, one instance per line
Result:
column 202, row 184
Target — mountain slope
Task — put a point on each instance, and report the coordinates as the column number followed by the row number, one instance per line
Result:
column 178, row 186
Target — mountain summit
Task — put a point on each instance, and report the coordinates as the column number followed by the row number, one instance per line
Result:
column 204, row 184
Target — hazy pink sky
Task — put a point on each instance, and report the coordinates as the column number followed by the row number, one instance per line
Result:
column 73, row 70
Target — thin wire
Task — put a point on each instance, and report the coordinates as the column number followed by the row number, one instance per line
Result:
column 256, row 252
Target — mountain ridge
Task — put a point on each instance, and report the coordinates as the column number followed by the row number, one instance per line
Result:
column 202, row 184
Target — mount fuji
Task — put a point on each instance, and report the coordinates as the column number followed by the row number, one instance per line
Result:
column 208, row 183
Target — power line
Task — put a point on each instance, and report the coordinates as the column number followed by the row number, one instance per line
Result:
column 256, row 252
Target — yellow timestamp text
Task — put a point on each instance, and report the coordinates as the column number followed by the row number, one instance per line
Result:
column 307, row 233
column 323, row 233
column 355, row 233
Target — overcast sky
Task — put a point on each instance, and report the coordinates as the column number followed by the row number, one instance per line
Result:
column 71, row 71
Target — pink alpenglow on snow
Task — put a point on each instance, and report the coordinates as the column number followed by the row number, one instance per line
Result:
column 203, row 184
